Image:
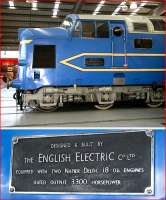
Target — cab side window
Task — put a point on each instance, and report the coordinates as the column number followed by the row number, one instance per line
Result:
column 77, row 29
column 158, row 24
column 91, row 29
column 143, row 43
column 44, row 56
column 88, row 29
column 102, row 29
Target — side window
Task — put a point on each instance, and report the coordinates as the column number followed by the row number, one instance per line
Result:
column 158, row 24
column 88, row 29
column 140, row 27
column 102, row 29
column 90, row 62
column 44, row 56
column 143, row 43
column 77, row 30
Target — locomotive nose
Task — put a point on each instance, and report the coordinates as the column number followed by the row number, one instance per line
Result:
column 49, row 33
column 32, row 33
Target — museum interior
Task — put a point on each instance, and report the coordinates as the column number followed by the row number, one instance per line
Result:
column 100, row 76
column 82, row 100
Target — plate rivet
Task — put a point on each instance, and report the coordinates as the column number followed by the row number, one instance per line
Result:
column 149, row 191
column 11, row 189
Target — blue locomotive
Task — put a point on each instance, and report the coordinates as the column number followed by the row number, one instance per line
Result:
column 99, row 59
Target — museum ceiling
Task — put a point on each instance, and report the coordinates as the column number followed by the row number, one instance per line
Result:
column 41, row 13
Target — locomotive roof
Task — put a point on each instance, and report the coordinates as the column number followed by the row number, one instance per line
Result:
column 117, row 17
column 61, row 32
column 129, row 20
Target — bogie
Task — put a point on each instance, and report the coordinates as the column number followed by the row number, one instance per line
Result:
column 49, row 98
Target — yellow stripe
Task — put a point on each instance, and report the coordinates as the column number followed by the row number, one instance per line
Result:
column 119, row 54
column 66, row 62
column 113, row 69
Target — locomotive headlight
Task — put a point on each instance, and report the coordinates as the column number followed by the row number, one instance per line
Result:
column 25, row 41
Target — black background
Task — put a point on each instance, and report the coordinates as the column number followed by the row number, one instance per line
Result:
column 124, row 142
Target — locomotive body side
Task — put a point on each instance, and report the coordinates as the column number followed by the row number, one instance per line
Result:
column 100, row 60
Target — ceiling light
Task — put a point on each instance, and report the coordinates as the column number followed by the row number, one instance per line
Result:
column 138, row 8
column 34, row 5
column 133, row 5
column 116, row 11
column 11, row 5
column 95, row 13
column 56, row 5
column 143, row 4
column 56, row 8
column 124, row 8
column 102, row 2
column 55, row 12
column 99, row 6
column 119, row 7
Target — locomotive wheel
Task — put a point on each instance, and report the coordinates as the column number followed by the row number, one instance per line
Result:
column 47, row 109
column 155, row 94
column 104, row 106
column 34, row 104
column 154, row 104
column 15, row 96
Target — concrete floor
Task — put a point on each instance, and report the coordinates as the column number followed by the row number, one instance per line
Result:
column 126, row 115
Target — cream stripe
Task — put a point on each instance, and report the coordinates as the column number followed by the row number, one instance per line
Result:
column 120, row 54
column 114, row 69
column 66, row 62
column 112, row 54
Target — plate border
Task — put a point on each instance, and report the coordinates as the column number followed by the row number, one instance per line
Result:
column 150, row 191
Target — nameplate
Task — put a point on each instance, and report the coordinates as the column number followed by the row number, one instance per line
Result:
column 102, row 163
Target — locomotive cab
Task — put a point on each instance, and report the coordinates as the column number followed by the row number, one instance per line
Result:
column 98, row 59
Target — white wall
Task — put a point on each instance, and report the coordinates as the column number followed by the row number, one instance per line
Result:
column 9, row 54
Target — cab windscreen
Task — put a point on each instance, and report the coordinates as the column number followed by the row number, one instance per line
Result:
column 44, row 56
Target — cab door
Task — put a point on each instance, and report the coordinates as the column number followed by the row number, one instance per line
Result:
column 118, row 45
